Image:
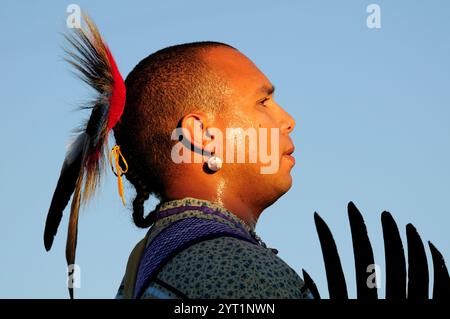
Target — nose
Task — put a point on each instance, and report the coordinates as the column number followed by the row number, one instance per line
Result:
column 288, row 123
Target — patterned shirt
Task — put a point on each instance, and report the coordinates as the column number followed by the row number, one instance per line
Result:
column 223, row 267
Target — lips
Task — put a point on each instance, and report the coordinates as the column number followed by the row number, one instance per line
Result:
column 288, row 154
column 289, row 151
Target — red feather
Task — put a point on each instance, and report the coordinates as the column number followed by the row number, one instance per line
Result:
column 118, row 96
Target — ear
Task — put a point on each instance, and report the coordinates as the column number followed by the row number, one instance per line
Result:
column 196, row 135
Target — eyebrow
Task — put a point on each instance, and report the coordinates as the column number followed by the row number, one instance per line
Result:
column 267, row 89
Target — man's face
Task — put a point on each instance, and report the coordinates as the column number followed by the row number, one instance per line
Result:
column 251, row 108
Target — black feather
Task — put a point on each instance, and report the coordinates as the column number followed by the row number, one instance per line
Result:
column 441, row 285
column 362, row 252
column 64, row 190
column 337, row 287
column 310, row 284
column 418, row 267
column 395, row 259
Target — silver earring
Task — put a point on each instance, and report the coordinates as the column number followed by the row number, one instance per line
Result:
column 214, row 163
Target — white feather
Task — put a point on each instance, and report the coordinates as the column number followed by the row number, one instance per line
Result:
column 74, row 148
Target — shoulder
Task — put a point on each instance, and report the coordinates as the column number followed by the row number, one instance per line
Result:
column 227, row 267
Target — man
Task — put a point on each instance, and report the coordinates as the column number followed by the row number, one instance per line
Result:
column 224, row 267
column 202, row 241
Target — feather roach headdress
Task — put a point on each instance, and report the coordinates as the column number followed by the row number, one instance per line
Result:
column 85, row 157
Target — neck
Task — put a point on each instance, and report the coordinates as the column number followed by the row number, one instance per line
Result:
column 222, row 194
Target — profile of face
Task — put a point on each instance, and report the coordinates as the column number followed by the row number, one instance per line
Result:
column 253, row 121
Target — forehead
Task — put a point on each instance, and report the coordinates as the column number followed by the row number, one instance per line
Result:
column 241, row 74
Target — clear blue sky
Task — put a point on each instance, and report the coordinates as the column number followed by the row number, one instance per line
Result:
column 372, row 110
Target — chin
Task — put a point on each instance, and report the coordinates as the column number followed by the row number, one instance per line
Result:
column 284, row 177
column 281, row 187
column 287, row 183
column 283, row 184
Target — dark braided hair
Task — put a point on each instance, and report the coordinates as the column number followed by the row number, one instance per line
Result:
column 161, row 89
column 142, row 194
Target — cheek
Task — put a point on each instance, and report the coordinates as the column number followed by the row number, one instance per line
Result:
column 253, row 119
column 266, row 119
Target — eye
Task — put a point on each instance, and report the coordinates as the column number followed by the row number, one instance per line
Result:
column 263, row 101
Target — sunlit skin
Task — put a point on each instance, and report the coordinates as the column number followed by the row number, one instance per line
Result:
column 239, row 187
